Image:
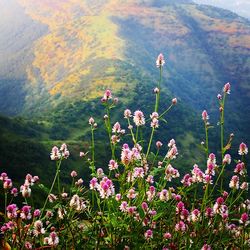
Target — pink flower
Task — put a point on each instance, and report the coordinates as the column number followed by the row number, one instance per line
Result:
column 150, row 179
column 154, row 115
column 79, row 182
column 187, row 180
column 14, row 192
column 52, row 240
column 204, row 115
column 123, row 206
column 138, row 173
column 244, row 186
column 195, row 215
column 138, row 118
column 156, row 90
column 127, row 113
column 100, row 172
column 113, row 165
column 172, row 152
column 28, row 245
column 3, row 176
column 144, row 206
column 206, row 247
column 158, row 144
column 243, row 149
column 126, row 155
column 25, row 190
column 167, row 236
column 7, row 184
column 131, row 210
column 38, row 228
column 107, row 95
column 164, row 195
column 179, row 207
column 116, row 128
column 55, row 154
column 77, row 203
column 171, row 143
column 154, row 123
column 240, row 169
column 64, row 151
column 73, row 174
column 131, row 194
column 174, row 101
column 209, row 212
column 234, row 183
column 244, row 219
column 227, row 159
column 91, row 121
column 219, row 96
column 37, row 213
column 150, row 193
column 106, row 188
column 115, row 139
column 181, row 226
column 25, row 212
column 11, row 211
column 207, row 179
column 226, row 88
column 116, row 100
column 197, row 174
column 82, row 154
column 93, row 183
column 211, row 159
column 148, row 234
column 210, row 169
column 171, row 172
column 118, row 197
column 52, row 198
column 160, row 61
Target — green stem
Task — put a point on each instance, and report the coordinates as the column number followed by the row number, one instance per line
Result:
column 58, row 179
column 51, row 188
column 93, row 147
column 150, row 142
column 137, row 133
column 166, row 111
column 221, row 172
column 5, row 203
column 158, row 94
column 222, row 127
column 236, row 199
column 131, row 131
column 206, row 132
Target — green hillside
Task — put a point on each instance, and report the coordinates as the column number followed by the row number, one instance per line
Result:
column 57, row 58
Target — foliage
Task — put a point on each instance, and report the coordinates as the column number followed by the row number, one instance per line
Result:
column 138, row 203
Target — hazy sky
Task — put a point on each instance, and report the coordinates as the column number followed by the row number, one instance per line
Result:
column 241, row 7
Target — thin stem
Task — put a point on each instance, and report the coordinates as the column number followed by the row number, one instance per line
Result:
column 58, row 179
column 150, row 142
column 108, row 127
column 222, row 127
column 158, row 94
column 93, row 146
column 236, row 199
column 221, row 172
column 165, row 111
column 131, row 131
column 206, row 132
column 5, row 203
column 51, row 188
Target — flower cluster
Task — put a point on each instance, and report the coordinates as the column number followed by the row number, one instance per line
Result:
column 136, row 201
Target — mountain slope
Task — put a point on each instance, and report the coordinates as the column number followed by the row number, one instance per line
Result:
column 92, row 45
